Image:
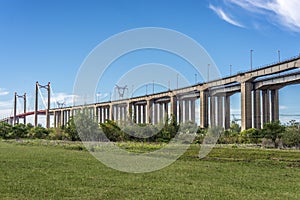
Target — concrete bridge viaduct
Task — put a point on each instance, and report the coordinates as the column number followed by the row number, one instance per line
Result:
column 259, row 100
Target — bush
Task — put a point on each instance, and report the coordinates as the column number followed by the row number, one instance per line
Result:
column 251, row 135
column 38, row 132
column 5, row 130
column 19, row 131
column 291, row 137
column 112, row 131
column 57, row 134
column 70, row 130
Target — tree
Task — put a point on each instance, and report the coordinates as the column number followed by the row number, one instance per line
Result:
column 273, row 131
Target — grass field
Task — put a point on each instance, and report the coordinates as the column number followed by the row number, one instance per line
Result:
column 48, row 172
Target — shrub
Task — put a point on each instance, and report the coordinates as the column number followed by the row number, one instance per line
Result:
column 251, row 135
column 19, row 131
column 38, row 132
column 70, row 130
column 5, row 130
column 291, row 137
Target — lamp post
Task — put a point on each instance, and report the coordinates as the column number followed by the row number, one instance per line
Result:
column 251, row 51
column 177, row 80
column 98, row 97
column 278, row 55
column 230, row 70
column 146, row 89
column 208, row 65
column 153, row 87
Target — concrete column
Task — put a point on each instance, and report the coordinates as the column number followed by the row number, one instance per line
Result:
column 129, row 114
column 99, row 114
column 139, row 114
column 134, row 113
column 257, row 110
column 193, row 111
column 266, row 106
column 148, row 111
column 110, row 112
column 155, row 114
column 166, row 110
column 124, row 112
column 161, row 112
column 180, row 114
column 173, row 105
column 95, row 114
column 106, row 113
column 203, row 109
column 144, row 113
column 246, row 105
column 274, row 105
column 61, row 118
column 119, row 112
column 227, row 111
column 103, row 110
column 54, row 119
column 220, row 111
column 212, row 111
column 186, row 110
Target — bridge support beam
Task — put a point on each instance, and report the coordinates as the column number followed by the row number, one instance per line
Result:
column 246, row 105
column 173, row 105
column 193, row 111
column 266, row 106
column 149, row 108
column 257, row 109
column 186, row 110
column 212, row 111
column 161, row 112
column 203, row 109
column 274, row 105
column 227, row 111
column 180, row 114
column 220, row 111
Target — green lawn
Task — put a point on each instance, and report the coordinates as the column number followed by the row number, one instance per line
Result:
column 48, row 172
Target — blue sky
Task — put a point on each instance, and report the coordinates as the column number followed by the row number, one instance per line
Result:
column 48, row 40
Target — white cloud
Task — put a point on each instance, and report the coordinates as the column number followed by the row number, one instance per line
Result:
column 283, row 12
column 65, row 98
column 282, row 107
column 224, row 16
column 3, row 92
column 5, row 109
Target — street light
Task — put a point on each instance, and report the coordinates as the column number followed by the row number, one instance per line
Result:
column 153, row 87
column 251, row 51
column 98, row 97
column 230, row 70
column 208, row 65
column 278, row 55
column 146, row 89
column 177, row 80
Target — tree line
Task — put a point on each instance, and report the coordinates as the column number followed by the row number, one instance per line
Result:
column 86, row 129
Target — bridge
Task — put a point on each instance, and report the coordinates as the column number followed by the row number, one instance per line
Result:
column 259, row 89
